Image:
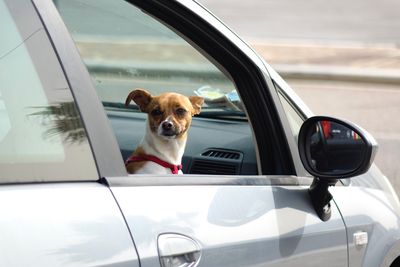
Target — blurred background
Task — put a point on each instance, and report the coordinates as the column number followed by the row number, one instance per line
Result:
column 342, row 57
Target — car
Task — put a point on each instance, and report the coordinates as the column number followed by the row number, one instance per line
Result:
column 266, row 182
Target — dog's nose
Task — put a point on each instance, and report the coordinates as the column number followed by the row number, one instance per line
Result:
column 167, row 125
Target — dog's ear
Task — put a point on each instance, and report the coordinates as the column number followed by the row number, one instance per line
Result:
column 197, row 102
column 141, row 97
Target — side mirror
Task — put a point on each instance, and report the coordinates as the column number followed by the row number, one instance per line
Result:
column 332, row 149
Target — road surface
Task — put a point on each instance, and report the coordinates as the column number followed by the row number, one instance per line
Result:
column 356, row 21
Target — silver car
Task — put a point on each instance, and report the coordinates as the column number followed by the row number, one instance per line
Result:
column 266, row 183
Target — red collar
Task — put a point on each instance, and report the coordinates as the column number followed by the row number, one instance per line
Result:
column 174, row 168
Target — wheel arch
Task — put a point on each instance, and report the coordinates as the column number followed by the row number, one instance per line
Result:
column 392, row 258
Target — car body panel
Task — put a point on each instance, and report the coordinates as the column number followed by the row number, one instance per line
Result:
column 61, row 224
column 235, row 225
column 373, row 208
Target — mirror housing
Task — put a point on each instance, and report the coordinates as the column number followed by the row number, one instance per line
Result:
column 332, row 149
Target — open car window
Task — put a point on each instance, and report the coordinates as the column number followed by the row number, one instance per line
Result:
column 124, row 49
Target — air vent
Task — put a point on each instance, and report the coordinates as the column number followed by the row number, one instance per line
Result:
column 221, row 154
column 211, row 167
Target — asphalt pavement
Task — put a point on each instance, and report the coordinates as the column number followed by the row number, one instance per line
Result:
column 339, row 21
column 356, row 63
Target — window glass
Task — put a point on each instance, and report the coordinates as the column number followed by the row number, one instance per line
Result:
column 41, row 134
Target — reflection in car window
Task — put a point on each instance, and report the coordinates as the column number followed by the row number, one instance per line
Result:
column 41, row 134
column 124, row 48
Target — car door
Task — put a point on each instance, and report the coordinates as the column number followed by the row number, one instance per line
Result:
column 195, row 220
column 54, row 212
column 228, row 222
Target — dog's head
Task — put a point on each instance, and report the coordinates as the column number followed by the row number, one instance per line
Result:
column 169, row 114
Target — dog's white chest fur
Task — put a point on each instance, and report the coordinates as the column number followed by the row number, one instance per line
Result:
column 154, row 168
column 169, row 150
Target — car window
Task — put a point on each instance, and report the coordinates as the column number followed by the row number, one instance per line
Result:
column 41, row 134
column 124, row 48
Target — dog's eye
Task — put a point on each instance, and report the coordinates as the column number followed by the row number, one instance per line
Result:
column 156, row 112
column 180, row 111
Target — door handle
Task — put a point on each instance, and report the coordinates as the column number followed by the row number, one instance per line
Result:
column 178, row 250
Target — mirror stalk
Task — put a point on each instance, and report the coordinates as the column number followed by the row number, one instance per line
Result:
column 321, row 198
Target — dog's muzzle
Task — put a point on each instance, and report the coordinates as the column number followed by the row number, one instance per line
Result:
column 168, row 129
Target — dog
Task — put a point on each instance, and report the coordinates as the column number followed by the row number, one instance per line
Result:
column 168, row 121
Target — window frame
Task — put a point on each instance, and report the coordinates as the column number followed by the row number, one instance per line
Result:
column 205, row 33
column 283, row 96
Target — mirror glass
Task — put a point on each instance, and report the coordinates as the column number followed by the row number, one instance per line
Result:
column 334, row 148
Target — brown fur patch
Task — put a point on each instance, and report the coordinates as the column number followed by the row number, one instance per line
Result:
column 133, row 167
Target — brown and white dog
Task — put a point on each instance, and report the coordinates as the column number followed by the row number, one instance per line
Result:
column 168, row 121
